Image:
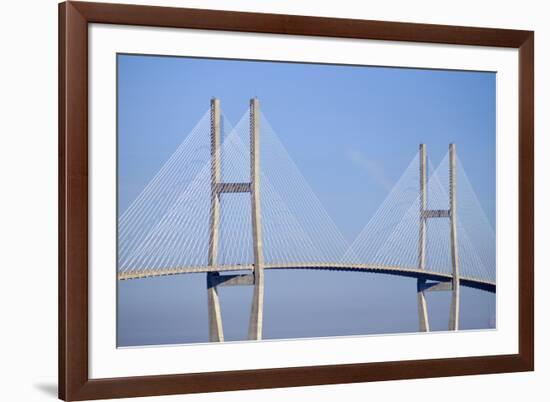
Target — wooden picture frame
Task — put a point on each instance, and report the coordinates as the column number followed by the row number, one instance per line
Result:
column 74, row 381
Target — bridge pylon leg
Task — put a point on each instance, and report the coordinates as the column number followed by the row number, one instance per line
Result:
column 455, row 298
column 215, row 326
column 214, row 312
column 255, row 327
column 423, row 321
column 256, row 312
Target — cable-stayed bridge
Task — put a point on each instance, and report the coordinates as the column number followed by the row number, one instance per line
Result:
column 225, row 206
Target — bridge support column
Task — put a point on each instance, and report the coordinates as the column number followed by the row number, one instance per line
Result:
column 455, row 299
column 256, row 313
column 423, row 321
column 213, row 278
column 422, row 285
column 214, row 310
column 215, row 327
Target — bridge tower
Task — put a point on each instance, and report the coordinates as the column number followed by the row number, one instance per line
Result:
column 215, row 279
column 423, row 285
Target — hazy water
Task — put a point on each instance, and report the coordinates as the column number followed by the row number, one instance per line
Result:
column 173, row 309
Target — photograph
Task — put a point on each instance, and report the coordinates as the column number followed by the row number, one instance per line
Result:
column 275, row 200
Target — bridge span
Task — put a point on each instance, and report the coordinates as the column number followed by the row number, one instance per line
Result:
column 417, row 273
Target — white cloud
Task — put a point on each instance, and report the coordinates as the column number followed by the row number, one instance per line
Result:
column 372, row 167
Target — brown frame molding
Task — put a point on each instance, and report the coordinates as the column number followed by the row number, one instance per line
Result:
column 74, row 18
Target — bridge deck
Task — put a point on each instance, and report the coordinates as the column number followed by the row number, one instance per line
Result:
column 476, row 283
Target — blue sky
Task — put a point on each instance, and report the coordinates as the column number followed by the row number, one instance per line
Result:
column 353, row 127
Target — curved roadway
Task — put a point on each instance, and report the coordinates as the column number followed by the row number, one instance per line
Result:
column 471, row 282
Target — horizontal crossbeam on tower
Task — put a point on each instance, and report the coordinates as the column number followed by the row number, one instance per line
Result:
column 233, row 188
column 233, row 280
column 434, row 286
column 436, row 213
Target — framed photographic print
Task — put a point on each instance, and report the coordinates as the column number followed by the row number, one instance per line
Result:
column 260, row 200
